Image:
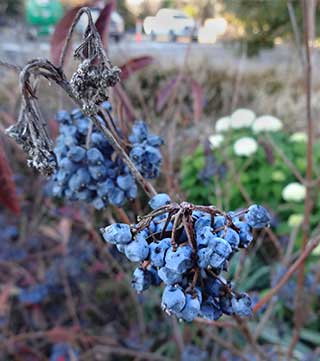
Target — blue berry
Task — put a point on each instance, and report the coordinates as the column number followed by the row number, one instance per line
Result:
column 158, row 251
column 159, row 200
column 257, row 216
column 141, row 279
column 117, row 233
column 137, row 250
column 179, row 260
column 210, row 310
column 76, row 154
column 173, row 299
column 232, row 237
column 242, row 305
column 169, row 276
column 191, row 309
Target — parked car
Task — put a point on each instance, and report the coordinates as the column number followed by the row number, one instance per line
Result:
column 171, row 23
column 117, row 26
column 211, row 30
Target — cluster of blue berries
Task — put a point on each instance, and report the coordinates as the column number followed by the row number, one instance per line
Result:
column 92, row 171
column 188, row 247
column 145, row 152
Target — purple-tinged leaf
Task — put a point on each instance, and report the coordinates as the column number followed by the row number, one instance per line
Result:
column 60, row 34
column 197, row 96
column 164, row 94
column 121, row 94
column 103, row 22
column 135, row 64
column 8, row 193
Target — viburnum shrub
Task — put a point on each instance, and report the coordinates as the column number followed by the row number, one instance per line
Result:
column 185, row 246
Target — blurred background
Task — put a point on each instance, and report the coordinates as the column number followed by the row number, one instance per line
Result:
column 223, row 82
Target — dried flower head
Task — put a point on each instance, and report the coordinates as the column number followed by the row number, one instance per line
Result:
column 30, row 132
column 91, row 81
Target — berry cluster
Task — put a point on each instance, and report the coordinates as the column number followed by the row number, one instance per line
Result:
column 145, row 152
column 93, row 172
column 187, row 247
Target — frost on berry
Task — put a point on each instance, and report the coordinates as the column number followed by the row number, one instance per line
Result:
column 188, row 247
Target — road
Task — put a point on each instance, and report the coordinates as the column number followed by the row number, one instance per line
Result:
column 14, row 47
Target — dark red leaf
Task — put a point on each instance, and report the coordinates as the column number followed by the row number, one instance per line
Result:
column 8, row 194
column 197, row 95
column 164, row 94
column 60, row 33
column 103, row 22
column 134, row 65
column 7, row 118
column 121, row 94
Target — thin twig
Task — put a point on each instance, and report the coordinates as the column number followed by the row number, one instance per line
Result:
column 296, row 32
column 286, row 160
column 247, row 333
column 298, row 315
column 229, row 346
column 13, row 67
column 312, row 244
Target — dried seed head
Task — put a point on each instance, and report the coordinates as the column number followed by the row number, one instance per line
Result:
column 90, row 83
column 29, row 132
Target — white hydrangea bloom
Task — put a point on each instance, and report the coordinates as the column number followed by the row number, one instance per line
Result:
column 223, row 124
column 294, row 192
column 267, row 123
column 216, row 140
column 245, row 146
column 242, row 118
column 298, row 137
column 295, row 220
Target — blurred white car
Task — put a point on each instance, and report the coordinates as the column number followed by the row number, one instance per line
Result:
column 116, row 29
column 211, row 30
column 172, row 23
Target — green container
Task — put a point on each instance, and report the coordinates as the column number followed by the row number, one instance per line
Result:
column 43, row 14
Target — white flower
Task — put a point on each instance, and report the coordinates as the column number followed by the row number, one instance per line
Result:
column 298, row 137
column 215, row 140
column 223, row 124
column 245, row 146
column 267, row 123
column 242, row 118
column 295, row 220
column 294, row 192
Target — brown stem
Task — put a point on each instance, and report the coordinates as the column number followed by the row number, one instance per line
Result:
column 313, row 243
column 58, row 76
column 247, row 333
column 298, row 316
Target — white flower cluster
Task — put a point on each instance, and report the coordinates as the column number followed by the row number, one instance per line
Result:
column 216, row 140
column 246, row 118
column 245, row 146
column 294, row 192
column 298, row 137
column 240, row 119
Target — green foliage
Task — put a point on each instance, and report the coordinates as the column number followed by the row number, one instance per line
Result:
column 261, row 177
column 264, row 21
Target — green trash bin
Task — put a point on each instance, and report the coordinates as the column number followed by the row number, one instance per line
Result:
column 43, row 14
